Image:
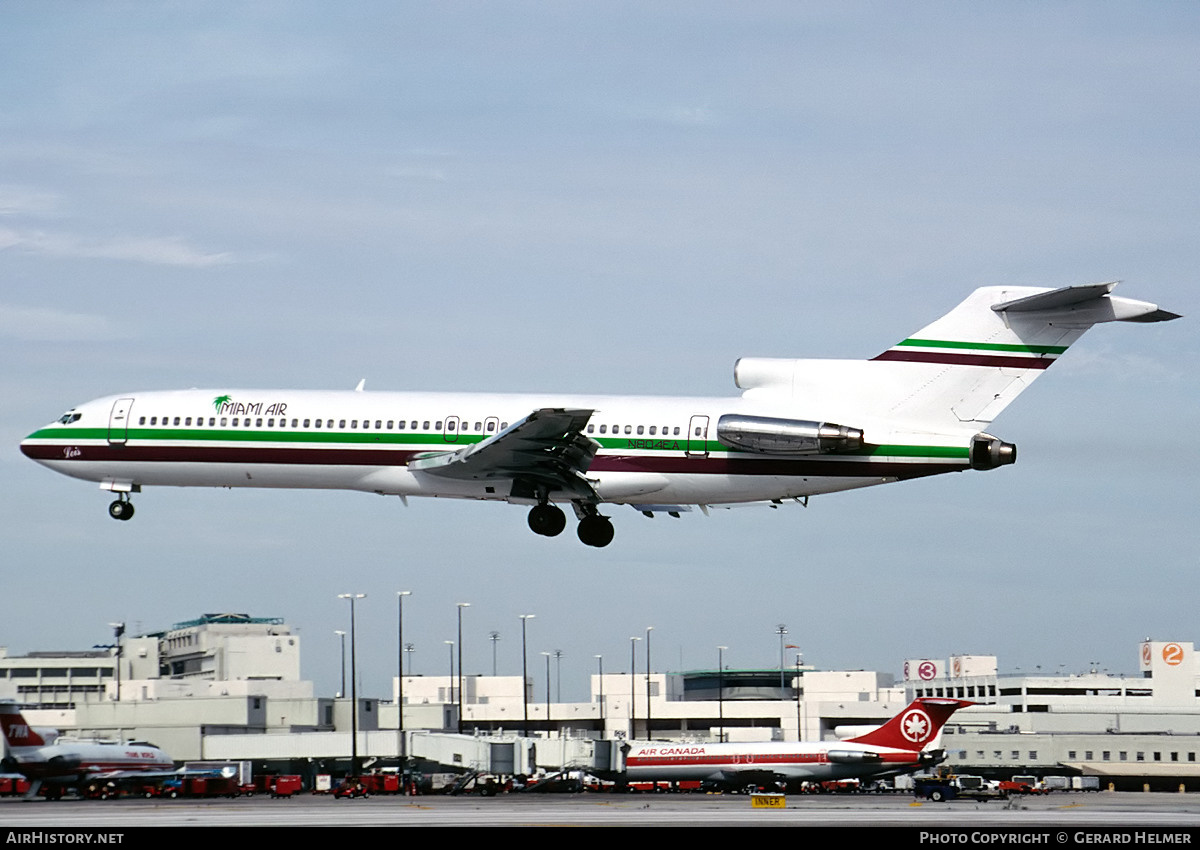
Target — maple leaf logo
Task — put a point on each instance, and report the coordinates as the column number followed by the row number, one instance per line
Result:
column 915, row 726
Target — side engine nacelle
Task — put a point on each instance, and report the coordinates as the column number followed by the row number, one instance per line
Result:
column 769, row 435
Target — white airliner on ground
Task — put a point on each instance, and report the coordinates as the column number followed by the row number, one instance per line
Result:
column 899, row 746
column 38, row 755
column 800, row 427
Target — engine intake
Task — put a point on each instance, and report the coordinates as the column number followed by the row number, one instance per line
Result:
column 987, row 452
column 768, row 435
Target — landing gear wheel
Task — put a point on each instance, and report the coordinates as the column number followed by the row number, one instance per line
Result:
column 121, row 509
column 547, row 520
column 595, row 530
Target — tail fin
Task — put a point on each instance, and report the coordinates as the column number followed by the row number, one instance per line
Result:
column 915, row 726
column 17, row 733
column 959, row 373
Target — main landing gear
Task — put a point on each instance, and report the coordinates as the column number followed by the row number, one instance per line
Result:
column 121, row 509
column 595, row 530
column 549, row 521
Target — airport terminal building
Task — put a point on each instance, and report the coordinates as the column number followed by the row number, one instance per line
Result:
column 228, row 687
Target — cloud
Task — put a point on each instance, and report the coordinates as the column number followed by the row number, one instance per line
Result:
column 155, row 250
column 42, row 324
column 15, row 200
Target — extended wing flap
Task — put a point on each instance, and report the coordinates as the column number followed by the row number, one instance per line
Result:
column 547, row 447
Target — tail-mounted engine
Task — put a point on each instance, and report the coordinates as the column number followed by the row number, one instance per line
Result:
column 768, row 435
column 988, row 453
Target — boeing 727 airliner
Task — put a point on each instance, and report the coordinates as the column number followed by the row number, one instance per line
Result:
column 800, row 427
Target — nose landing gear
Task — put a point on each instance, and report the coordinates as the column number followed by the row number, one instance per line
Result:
column 121, row 509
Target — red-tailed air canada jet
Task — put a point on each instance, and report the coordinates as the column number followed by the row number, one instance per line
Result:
column 899, row 746
column 39, row 756
column 799, row 428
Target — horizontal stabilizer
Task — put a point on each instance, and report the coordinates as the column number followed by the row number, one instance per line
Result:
column 1084, row 306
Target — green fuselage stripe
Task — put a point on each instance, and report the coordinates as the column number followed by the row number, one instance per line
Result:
column 431, row 441
column 984, row 346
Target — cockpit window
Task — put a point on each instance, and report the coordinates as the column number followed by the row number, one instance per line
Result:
column 69, row 417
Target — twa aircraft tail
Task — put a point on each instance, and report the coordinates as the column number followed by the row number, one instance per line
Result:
column 916, row 726
column 18, row 735
column 956, row 374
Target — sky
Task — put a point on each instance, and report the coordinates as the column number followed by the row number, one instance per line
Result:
column 618, row 198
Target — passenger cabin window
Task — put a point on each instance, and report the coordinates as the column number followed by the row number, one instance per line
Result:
column 341, row 423
column 142, row 421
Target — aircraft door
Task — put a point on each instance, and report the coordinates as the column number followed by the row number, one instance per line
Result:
column 697, row 437
column 118, row 422
column 450, row 429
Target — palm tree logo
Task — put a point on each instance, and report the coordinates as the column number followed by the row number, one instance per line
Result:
column 220, row 401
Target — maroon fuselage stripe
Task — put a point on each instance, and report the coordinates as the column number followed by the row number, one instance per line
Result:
column 797, row 467
column 966, row 359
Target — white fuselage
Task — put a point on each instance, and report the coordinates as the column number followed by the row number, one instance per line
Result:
column 82, row 760
column 797, row 760
column 652, row 450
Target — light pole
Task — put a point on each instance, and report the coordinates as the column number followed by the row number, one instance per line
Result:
column 633, row 686
column 600, row 665
column 525, row 673
column 558, row 654
column 782, row 631
column 450, row 681
column 721, row 691
column 547, row 654
column 118, row 630
column 400, row 594
column 461, row 606
column 342, row 636
column 649, row 629
column 494, row 637
column 799, row 689
column 409, row 649
column 353, row 597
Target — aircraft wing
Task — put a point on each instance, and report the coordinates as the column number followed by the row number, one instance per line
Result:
column 123, row 775
column 547, row 450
